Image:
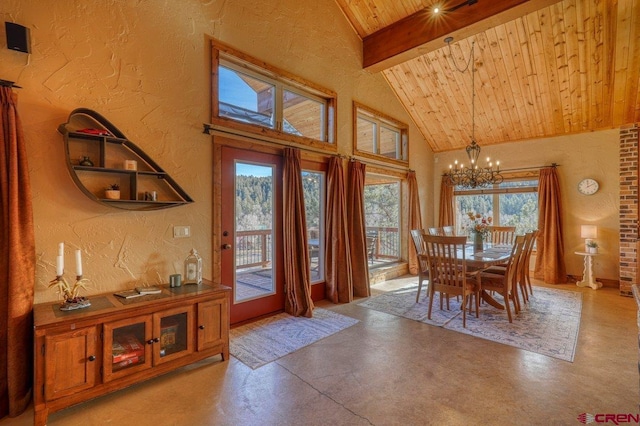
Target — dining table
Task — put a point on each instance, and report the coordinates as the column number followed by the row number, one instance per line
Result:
column 490, row 255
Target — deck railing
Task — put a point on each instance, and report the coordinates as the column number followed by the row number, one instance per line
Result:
column 387, row 245
column 252, row 247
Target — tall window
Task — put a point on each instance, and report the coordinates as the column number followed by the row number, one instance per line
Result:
column 251, row 96
column 379, row 136
column 512, row 203
column 313, row 184
column 382, row 203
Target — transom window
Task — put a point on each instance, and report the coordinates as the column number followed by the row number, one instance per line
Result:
column 252, row 96
column 511, row 203
column 379, row 136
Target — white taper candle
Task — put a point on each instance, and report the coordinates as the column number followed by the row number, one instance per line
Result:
column 78, row 263
column 59, row 266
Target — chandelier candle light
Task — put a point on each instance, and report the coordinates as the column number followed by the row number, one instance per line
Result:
column 472, row 176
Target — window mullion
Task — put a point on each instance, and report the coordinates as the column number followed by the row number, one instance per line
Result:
column 279, row 107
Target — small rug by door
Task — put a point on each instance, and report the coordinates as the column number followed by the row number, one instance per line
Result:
column 548, row 324
column 268, row 339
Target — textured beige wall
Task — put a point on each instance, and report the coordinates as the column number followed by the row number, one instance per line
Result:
column 144, row 65
column 594, row 155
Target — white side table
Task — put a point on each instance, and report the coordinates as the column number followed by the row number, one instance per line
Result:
column 588, row 279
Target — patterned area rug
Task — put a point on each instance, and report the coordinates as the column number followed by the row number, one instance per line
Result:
column 268, row 339
column 402, row 303
column 548, row 324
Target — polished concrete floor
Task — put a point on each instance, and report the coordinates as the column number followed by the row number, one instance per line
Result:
column 387, row 370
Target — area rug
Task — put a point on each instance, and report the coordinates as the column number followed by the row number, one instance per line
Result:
column 547, row 325
column 402, row 303
column 268, row 339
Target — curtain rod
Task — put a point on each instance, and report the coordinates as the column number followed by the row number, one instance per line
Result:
column 379, row 164
column 208, row 129
column 554, row 165
column 7, row 83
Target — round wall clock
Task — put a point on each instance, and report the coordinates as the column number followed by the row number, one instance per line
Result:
column 588, row 186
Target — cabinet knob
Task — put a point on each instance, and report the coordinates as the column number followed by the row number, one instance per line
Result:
column 150, row 342
column 201, row 327
column 156, row 340
column 92, row 357
column 226, row 246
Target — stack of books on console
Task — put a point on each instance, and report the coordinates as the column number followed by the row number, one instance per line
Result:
column 126, row 350
column 139, row 291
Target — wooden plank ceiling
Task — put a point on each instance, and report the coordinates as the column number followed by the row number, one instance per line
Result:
column 569, row 67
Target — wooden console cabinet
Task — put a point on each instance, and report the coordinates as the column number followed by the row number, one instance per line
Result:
column 117, row 342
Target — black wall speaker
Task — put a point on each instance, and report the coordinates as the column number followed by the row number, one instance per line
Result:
column 17, row 37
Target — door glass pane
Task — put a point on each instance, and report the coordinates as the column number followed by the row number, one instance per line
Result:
column 382, row 218
column 313, row 189
column 302, row 116
column 173, row 334
column 128, row 346
column 254, row 185
column 245, row 98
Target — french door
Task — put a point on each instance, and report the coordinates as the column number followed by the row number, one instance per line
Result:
column 251, row 232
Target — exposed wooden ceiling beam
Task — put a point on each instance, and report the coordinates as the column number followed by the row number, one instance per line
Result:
column 424, row 32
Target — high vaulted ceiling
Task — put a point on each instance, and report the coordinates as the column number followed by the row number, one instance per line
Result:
column 543, row 68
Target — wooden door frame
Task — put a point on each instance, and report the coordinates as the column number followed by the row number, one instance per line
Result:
column 318, row 291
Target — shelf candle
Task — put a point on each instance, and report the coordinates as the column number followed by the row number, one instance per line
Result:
column 78, row 263
column 59, row 266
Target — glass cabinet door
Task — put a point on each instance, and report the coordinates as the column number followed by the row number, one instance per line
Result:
column 174, row 328
column 127, row 346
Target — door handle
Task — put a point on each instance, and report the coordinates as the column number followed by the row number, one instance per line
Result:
column 226, row 246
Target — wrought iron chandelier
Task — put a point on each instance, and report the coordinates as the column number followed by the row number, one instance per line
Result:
column 472, row 176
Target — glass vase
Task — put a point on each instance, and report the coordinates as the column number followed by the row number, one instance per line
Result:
column 477, row 241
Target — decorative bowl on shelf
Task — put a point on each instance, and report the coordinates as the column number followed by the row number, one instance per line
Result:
column 112, row 192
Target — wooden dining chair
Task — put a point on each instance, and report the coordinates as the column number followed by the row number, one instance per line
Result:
column 423, row 269
column 448, row 231
column 519, row 286
column 448, row 272
column 435, row 231
column 523, row 265
column 504, row 283
column 527, row 266
column 502, row 234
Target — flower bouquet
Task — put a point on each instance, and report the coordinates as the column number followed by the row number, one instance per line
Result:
column 478, row 224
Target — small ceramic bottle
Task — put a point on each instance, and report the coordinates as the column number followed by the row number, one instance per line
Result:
column 193, row 268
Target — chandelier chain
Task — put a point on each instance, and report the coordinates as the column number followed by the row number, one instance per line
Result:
column 472, row 176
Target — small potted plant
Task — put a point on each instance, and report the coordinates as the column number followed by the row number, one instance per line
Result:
column 112, row 192
column 592, row 247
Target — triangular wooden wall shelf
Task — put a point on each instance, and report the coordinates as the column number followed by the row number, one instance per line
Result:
column 88, row 134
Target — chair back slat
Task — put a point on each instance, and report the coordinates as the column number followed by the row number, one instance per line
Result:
column 446, row 259
column 448, row 231
column 502, row 234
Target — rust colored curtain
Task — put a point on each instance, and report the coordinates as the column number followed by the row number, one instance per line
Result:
column 550, row 266
column 357, row 232
column 415, row 219
column 297, row 282
column 339, row 284
column 446, row 203
column 18, row 263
